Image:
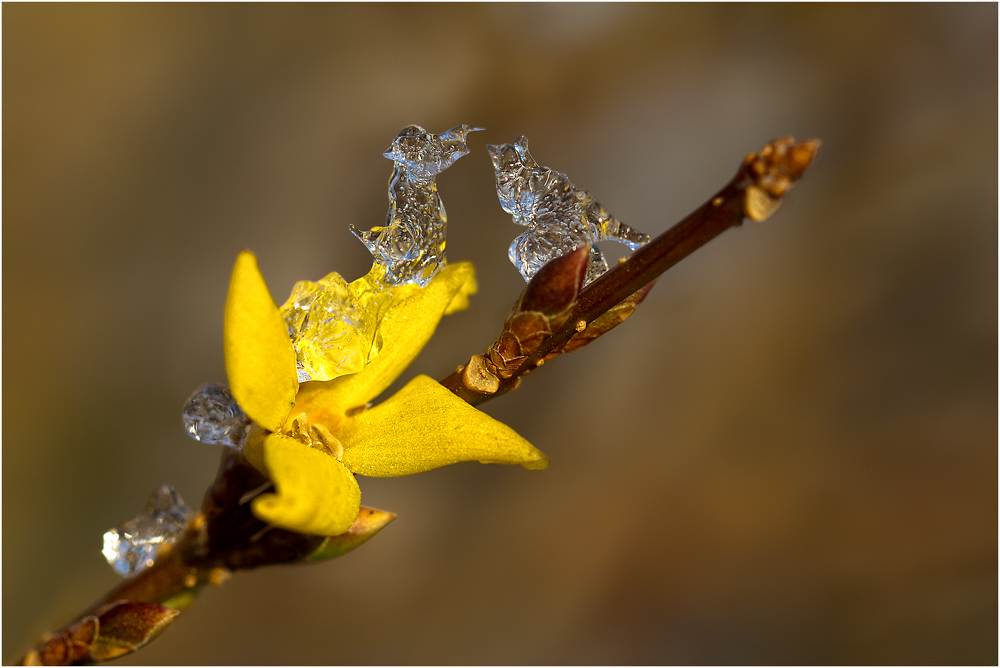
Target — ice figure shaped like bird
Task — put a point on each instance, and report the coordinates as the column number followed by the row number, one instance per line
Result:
column 559, row 216
column 410, row 246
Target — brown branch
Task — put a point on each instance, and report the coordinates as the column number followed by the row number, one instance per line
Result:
column 224, row 537
column 555, row 314
column 553, row 309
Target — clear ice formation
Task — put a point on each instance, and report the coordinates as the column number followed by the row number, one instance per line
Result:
column 327, row 329
column 133, row 546
column 559, row 216
column 211, row 415
column 410, row 246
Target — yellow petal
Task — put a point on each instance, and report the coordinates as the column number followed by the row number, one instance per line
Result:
column 424, row 426
column 460, row 301
column 253, row 447
column 260, row 360
column 316, row 494
column 408, row 319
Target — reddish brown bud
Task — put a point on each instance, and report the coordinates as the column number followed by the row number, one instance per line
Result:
column 774, row 170
column 494, row 359
column 128, row 625
column 70, row 646
column 507, row 346
column 556, row 285
column 530, row 329
column 604, row 323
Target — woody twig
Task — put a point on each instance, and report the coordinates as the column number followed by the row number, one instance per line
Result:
column 556, row 314
column 224, row 537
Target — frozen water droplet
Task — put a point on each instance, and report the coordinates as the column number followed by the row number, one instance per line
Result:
column 559, row 216
column 327, row 329
column 134, row 545
column 410, row 246
column 211, row 415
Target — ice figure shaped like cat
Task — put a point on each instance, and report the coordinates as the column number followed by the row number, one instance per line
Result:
column 410, row 246
column 559, row 216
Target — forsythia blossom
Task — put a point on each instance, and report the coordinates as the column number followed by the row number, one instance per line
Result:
column 311, row 439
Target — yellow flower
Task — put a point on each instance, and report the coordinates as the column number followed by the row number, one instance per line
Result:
column 311, row 440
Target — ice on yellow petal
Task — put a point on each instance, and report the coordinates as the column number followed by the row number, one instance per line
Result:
column 329, row 335
column 408, row 317
column 260, row 361
column 316, row 494
column 424, row 426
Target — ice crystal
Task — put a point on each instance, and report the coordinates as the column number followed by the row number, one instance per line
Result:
column 133, row 546
column 410, row 246
column 211, row 415
column 559, row 216
column 327, row 329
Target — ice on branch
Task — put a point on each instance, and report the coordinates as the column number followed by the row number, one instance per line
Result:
column 211, row 415
column 559, row 216
column 410, row 247
column 133, row 546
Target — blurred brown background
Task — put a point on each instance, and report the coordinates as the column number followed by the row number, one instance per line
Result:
column 788, row 455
